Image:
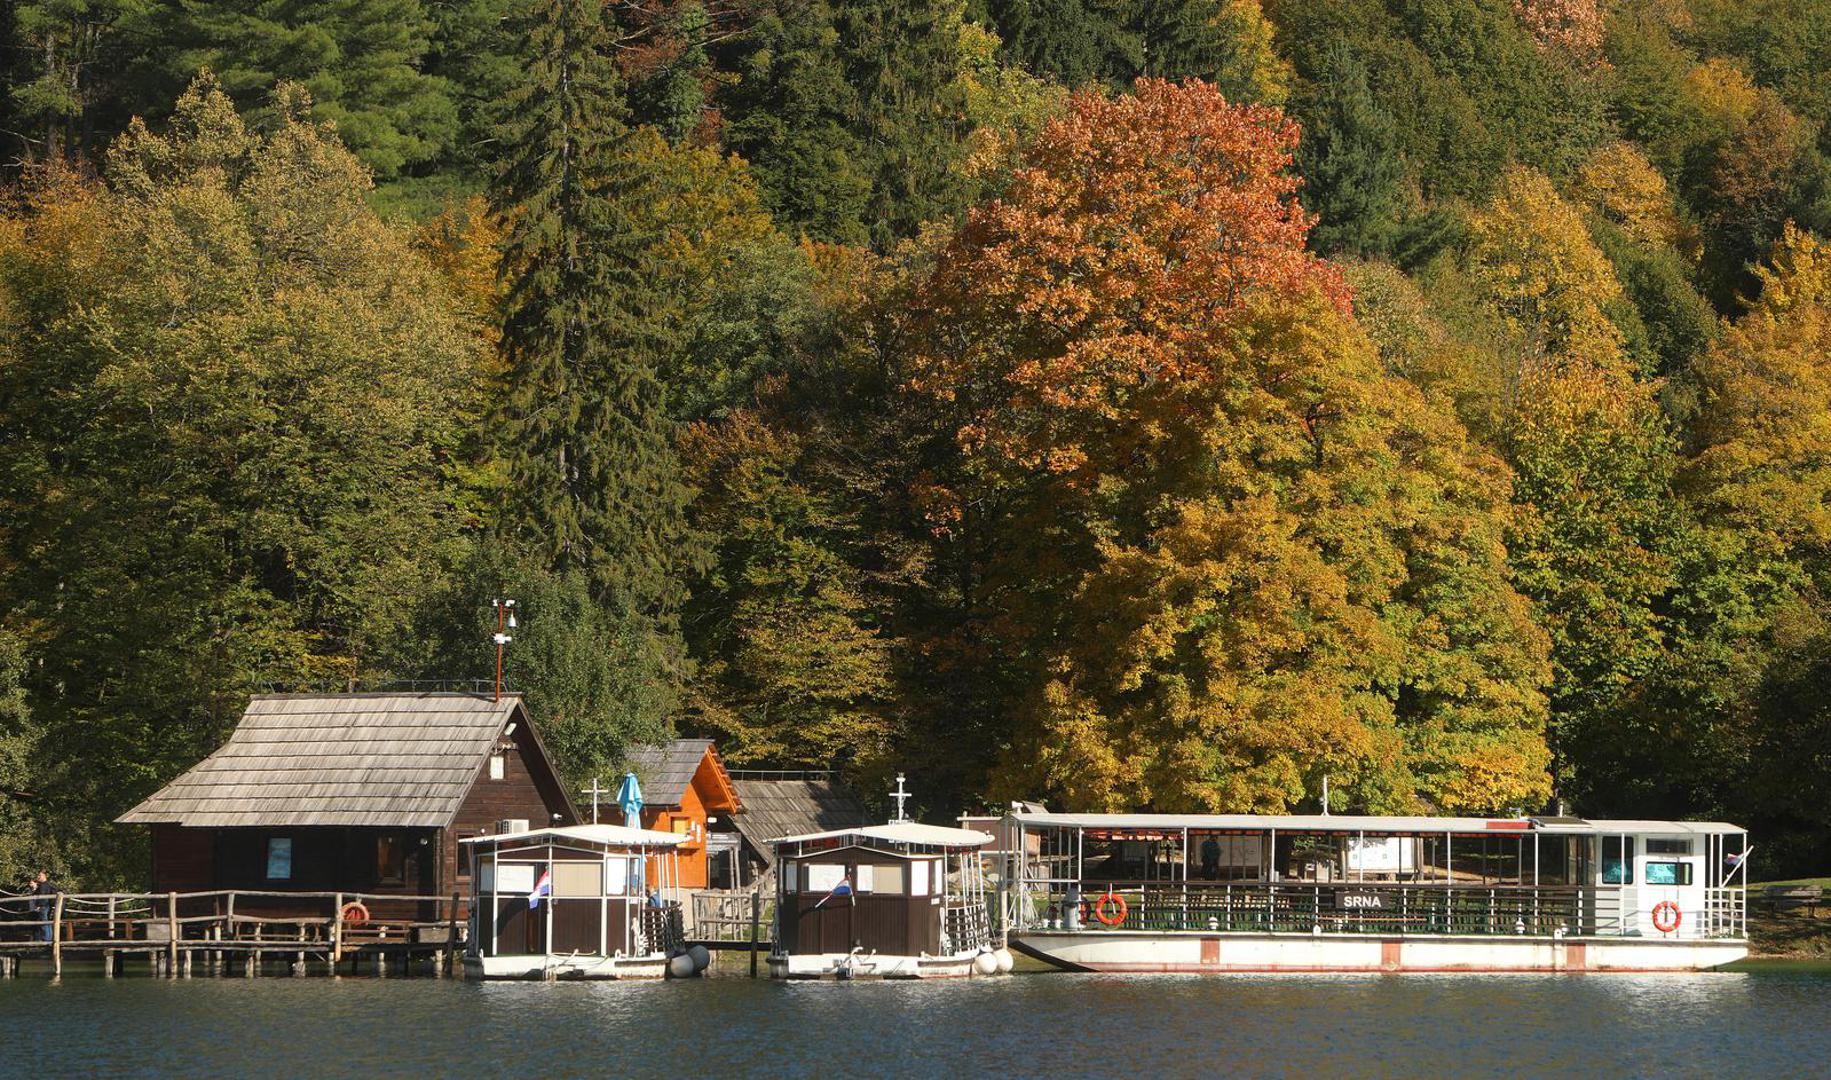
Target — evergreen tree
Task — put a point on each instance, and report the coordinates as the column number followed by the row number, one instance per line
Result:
column 593, row 481
column 1354, row 180
column 362, row 61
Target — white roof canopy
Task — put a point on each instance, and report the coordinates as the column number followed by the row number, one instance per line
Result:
column 1366, row 823
column 607, row 835
column 900, row 832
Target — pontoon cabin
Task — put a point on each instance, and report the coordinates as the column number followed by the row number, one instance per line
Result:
column 585, row 901
column 1158, row 892
column 902, row 900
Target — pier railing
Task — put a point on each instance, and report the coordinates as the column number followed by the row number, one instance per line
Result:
column 231, row 921
column 1352, row 907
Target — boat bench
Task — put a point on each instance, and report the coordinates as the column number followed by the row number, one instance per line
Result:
column 1791, row 897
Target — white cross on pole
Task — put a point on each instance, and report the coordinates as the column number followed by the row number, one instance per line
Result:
column 900, row 795
column 594, row 791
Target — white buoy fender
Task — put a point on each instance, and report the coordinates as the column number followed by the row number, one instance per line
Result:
column 680, row 966
column 985, row 964
column 702, row 957
column 1005, row 961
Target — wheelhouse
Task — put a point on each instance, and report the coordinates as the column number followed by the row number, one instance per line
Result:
column 580, row 900
column 898, row 900
column 1207, row 874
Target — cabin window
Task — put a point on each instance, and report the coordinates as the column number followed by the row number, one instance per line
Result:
column 279, row 858
column 390, row 859
column 1617, row 860
column 865, row 878
column 467, row 856
column 682, row 826
column 618, row 877
column 918, row 877
column 791, row 874
column 578, row 879
column 1668, row 847
column 824, row 877
column 888, row 880
column 498, row 766
column 1668, row 873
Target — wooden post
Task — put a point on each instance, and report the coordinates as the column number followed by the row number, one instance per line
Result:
column 451, row 934
column 57, row 936
column 251, row 963
column 108, row 954
column 337, row 935
column 171, row 927
column 756, row 917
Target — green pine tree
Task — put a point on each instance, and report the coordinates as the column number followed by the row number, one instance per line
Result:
column 593, row 479
column 1354, row 180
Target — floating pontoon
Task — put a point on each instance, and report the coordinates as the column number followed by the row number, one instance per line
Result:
column 1220, row 893
column 582, row 901
column 902, row 900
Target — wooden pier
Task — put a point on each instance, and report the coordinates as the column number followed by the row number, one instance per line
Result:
column 239, row 932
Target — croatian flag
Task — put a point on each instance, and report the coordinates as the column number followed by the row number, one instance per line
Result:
column 543, row 887
column 844, row 888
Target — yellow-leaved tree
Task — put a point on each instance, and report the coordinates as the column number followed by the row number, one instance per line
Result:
column 1221, row 551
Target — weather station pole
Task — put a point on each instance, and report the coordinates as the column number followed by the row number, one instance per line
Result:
column 505, row 621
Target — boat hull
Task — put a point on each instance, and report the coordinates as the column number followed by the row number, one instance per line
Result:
column 874, row 966
column 1143, row 951
column 565, row 967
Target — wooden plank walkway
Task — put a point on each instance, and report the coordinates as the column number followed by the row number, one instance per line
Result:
column 236, row 932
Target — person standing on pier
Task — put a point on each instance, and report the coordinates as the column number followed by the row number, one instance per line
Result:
column 44, row 906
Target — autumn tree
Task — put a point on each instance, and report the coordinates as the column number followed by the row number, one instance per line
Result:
column 1224, row 550
column 1593, row 463
column 231, row 394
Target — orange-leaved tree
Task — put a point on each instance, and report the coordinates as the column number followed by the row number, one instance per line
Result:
column 1220, row 551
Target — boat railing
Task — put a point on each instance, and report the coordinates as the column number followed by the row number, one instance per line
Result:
column 1347, row 907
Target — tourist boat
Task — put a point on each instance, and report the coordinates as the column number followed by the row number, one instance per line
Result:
column 577, row 901
column 896, row 901
column 1239, row 893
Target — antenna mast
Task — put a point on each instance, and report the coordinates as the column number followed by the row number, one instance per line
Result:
column 505, row 621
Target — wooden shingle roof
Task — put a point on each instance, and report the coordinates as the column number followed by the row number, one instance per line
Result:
column 666, row 770
column 385, row 760
column 783, row 807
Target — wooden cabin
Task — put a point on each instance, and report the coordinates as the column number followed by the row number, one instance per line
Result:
column 352, row 793
column 687, row 791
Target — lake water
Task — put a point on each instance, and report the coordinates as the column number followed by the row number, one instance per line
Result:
column 1774, row 1023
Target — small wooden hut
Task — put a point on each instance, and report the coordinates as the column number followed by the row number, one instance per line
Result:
column 687, row 791
column 352, row 793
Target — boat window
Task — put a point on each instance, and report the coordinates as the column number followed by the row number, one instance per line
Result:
column 865, row 877
column 918, row 877
column 1618, row 860
column 618, row 876
column 578, row 879
column 1668, row 873
column 791, row 874
column 888, row 880
column 1668, row 847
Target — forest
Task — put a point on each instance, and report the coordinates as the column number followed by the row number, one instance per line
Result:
column 1124, row 404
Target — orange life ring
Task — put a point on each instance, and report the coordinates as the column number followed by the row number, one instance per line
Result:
column 1666, row 916
column 354, row 913
column 1103, row 906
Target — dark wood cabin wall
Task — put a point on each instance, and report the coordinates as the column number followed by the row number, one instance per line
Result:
column 528, row 789
column 324, row 859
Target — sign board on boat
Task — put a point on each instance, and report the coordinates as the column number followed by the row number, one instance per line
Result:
column 1360, row 900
